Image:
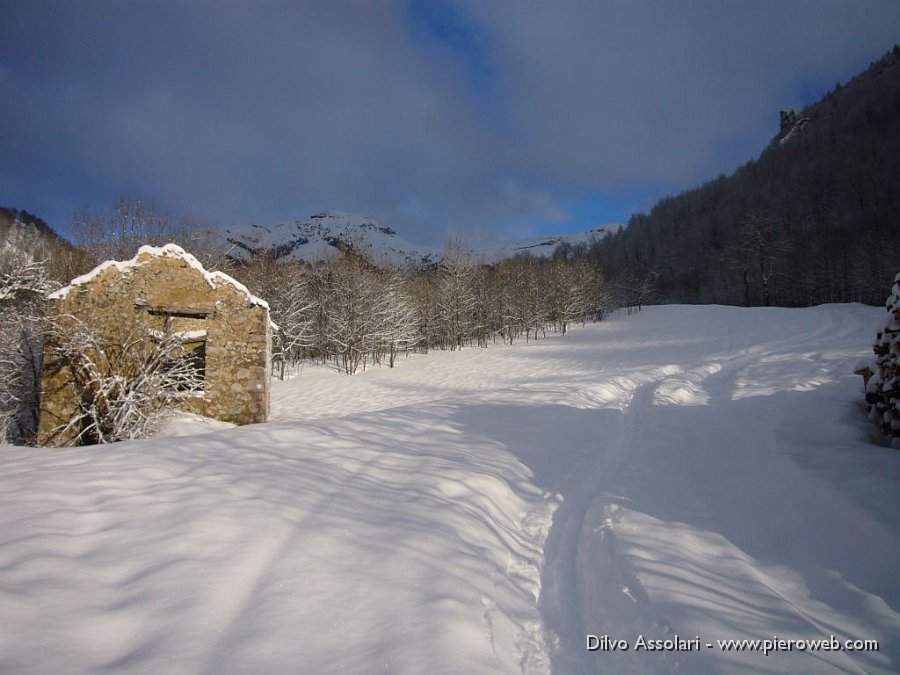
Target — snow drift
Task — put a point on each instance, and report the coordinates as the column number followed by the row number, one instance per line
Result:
column 690, row 471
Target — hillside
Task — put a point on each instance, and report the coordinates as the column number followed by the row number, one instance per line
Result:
column 813, row 219
column 689, row 471
column 26, row 237
column 29, row 234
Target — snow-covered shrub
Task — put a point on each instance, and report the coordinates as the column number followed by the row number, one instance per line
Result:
column 883, row 389
column 125, row 388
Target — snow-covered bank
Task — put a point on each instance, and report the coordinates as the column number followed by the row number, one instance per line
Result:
column 384, row 542
column 715, row 475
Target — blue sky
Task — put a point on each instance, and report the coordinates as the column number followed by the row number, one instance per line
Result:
column 480, row 119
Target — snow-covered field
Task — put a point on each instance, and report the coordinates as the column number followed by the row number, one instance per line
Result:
column 699, row 471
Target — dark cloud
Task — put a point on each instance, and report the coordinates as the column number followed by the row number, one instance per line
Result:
column 468, row 116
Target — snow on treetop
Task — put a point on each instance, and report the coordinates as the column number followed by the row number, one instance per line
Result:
column 146, row 253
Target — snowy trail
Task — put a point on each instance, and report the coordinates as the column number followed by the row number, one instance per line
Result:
column 585, row 586
column 686, row 470
column 612, row 569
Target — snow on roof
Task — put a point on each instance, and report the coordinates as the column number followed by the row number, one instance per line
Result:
column 146, row 253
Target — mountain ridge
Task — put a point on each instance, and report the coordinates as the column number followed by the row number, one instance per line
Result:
column 313, row 237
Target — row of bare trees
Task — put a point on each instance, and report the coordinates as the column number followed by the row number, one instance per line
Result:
column 347, row 311
column 117, row 232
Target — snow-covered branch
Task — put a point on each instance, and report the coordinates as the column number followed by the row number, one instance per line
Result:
column 20, row 275
column 124, row 387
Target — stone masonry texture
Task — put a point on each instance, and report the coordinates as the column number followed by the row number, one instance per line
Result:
column 166, row 289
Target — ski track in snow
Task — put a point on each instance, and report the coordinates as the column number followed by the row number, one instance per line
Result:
column 684, row 470
column 611, row 569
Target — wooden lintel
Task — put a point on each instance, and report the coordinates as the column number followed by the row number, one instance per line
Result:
column 190, row 312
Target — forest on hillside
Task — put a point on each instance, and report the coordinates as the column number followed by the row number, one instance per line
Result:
column 814, row 219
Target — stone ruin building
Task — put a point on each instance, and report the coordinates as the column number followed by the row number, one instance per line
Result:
column 226, row 333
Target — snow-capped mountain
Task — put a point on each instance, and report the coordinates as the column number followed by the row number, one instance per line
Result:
column 312, row 238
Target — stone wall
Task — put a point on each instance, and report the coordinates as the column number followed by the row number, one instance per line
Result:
column 166, row 290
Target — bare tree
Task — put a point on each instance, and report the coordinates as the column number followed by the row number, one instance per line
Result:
column 595, row 296
column 20, row 275
column 563, row 294
column 116, row 233
column 350, row 295
column 634, row 289
column 758, row 254
column 457, row 296
column 294, row 312
column 292, row 306
column 398, row 319
column 526, row 291
column 424, row 293
column 23, row 283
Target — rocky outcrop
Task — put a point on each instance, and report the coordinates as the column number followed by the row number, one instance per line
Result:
column 791, row 123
